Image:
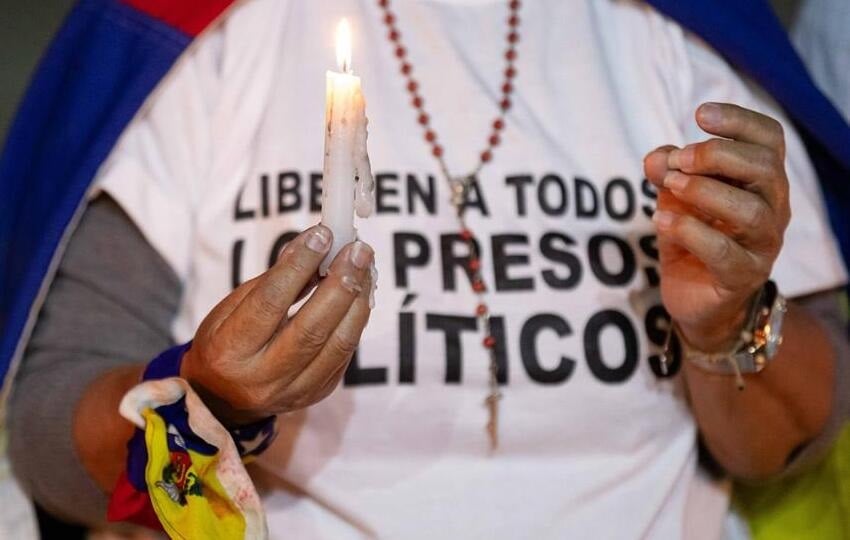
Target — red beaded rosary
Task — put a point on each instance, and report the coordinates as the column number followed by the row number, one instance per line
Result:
column 459, row 185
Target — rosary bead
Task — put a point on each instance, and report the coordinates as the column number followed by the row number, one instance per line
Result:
column 459, row 185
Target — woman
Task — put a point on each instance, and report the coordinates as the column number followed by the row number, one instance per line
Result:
column 589, row 432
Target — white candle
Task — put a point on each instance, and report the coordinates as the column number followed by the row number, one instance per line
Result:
column 347, row 183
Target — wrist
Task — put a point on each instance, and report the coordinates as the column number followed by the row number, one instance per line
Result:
column 252, row 431
column 721, row 331
column 230, row 415
column 757, row 343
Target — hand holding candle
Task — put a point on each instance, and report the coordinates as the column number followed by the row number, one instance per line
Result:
column 347, row 183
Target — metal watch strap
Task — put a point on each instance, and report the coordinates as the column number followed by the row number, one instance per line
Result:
column 755, row 346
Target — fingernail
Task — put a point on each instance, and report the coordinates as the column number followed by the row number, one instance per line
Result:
column 710, row 115
column 319, row 239
column 361, row 255
column 681, row 159
column 676, row 181
column 351, row 284
column 663, row 218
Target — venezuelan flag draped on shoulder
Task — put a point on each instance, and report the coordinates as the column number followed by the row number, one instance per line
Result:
column 106, row 60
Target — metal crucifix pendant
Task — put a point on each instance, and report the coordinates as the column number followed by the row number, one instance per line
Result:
column 459, row 188
column 492, row 403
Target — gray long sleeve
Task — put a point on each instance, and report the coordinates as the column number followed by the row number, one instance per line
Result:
column 827, row 308
column 110, row 304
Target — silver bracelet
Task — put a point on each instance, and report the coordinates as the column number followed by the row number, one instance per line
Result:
column 756, row 345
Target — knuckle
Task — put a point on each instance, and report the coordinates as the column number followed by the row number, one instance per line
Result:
column 294, row 265
column 310, row 336
column 268, row 303
column 733, row 203
column 270, row 298
column 759, row 165
column 771, row 161
column 756, row 215
column 344, row 345
column 705, row 154
column 214, row 349
column 722, row 250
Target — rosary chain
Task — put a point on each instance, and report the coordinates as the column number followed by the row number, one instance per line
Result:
column 459, row 185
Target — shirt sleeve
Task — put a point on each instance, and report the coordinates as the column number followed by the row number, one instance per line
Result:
column 155, row 171
column 110, row 304
column 809, row 260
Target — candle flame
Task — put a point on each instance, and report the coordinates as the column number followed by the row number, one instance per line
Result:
column 343, row 46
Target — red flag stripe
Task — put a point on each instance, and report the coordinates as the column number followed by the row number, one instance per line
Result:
column 127, row 504
column 190, row 16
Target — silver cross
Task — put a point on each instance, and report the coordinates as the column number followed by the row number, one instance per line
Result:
column 460, row 185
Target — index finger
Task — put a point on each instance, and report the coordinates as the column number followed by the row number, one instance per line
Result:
column 257, row 317
column 734, row 122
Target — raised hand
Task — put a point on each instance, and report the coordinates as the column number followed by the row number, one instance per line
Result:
column 722, row 212
column 249, row 360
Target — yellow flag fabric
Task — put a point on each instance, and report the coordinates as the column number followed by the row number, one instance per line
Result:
column 814, row 505
column 185, row 490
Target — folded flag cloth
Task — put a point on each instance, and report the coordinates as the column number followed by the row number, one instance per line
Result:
column 184, row 472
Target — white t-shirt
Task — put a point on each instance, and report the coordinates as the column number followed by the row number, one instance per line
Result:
column 224, row 160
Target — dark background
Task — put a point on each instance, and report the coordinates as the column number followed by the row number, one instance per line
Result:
column 27, row 25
